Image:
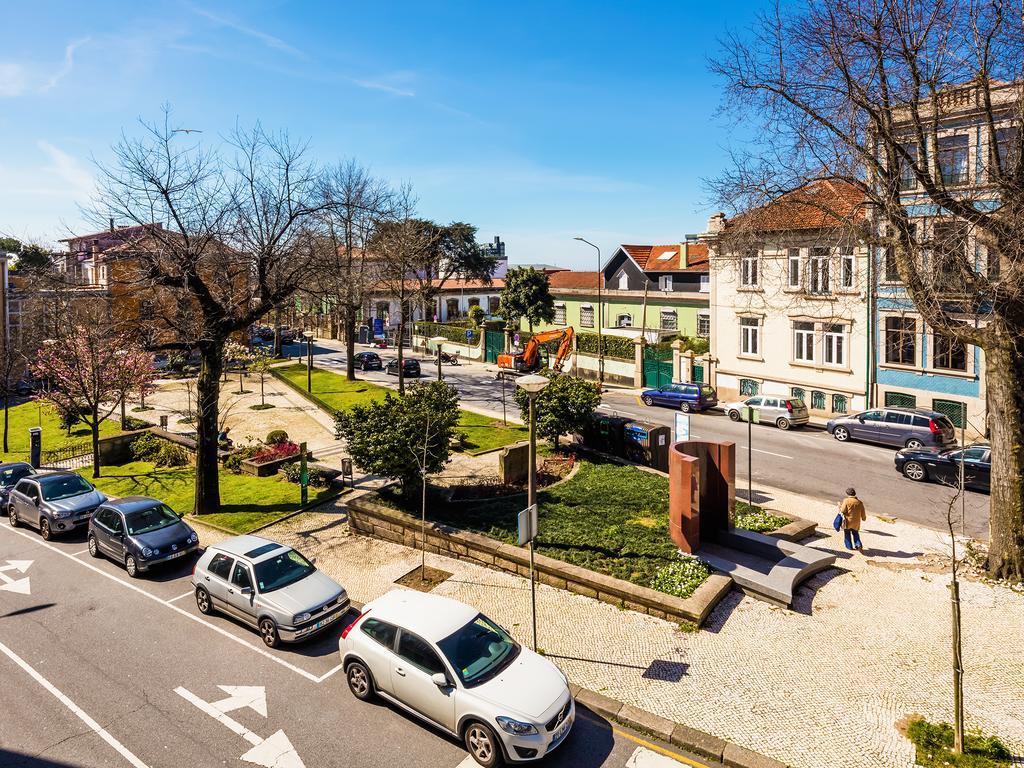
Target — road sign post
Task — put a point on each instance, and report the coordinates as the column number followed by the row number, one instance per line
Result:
column 303, row 474
column 527, row 524
column 752, row 415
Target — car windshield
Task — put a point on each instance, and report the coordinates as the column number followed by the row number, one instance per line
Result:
column 11, row 475
column 64, row 487
column 151, row 519
column 479, row 651
column 282, row 570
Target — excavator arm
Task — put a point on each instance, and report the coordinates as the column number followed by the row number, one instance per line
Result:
column 528, row 361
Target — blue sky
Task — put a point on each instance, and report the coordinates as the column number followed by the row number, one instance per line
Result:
column 535, row 121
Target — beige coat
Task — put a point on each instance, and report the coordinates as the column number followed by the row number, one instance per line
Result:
column 852, row 510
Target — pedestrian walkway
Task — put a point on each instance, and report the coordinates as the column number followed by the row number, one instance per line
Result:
column 824, row 684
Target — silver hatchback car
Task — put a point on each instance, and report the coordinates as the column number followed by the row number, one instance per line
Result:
column 269, row 586
column 783, row 412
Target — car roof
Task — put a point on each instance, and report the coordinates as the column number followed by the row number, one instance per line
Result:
column 132, row 503
column 8, row 464
column 432, row 617
column 51, row 475
column 241, row 546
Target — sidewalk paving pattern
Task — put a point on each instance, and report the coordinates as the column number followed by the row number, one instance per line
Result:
column 824, row 684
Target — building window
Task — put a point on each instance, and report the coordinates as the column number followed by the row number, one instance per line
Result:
column 748, row 387
column 840, row 404
column 705, row 283
column 948, row 353
column 908, row 180
column 665, row 282
column 892, row 272
column 834, row 340
column 748, row 271
column 952, row 409
column 797, row 393
column 803, row 342
column 950, row 268
column 586, row 316
column 703, row 324
column 474, row 301
column 493, row 303
column 793, row 269
column 953, row 151
column 819, row 266
column 1007, row 150
column 750, row 336
column 623, row 281
column 992, row 269
column 382, row 309
column 624, row 321
column 559, row 314
column 818, row 400
column 847, row 265
column 668, row 320
column 900, row 400
column 901, row 340
column 452, row 309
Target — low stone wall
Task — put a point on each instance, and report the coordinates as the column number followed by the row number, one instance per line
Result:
column 268, row 468
column 370, row 518
column 117, row 448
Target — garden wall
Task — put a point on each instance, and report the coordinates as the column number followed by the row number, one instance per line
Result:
column 373, row 519
column 615, row 371
column 463, row 350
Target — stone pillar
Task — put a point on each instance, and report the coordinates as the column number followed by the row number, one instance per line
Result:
column 677, row 352
column 687, row 361
column 638, row 362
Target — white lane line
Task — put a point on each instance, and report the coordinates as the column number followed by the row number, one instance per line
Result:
column 219, row 716
column 758, row 450
column 82, row 552
column 646, row 758
column 176, row 599
column 329, row 673
column 298, row 670
column 77, row 710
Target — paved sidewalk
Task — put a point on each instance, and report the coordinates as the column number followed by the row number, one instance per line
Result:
column 821, row 685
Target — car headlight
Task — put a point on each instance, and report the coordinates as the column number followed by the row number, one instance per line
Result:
column 193, row 538
column 516, row 727
column 61, row 513
column 147, row 552
column 301, row 617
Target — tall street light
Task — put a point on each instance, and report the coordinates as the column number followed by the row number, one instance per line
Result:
column 308, row 335
column 532, row 385
column 438, row 340
column 600, row 316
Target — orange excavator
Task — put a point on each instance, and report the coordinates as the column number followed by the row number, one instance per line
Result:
column 528, row 361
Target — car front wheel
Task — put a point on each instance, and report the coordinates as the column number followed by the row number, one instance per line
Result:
column 132, row 566
column 842, row 434
column 94, row 550
column 268, row 631
column 203, row 601
column 12, row 515
column 915, row 471
column 360, row 682
column 483, row 745
column 647, row 400
column 44, row 529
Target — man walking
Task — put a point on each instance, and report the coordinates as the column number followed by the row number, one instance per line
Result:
column 853, row 512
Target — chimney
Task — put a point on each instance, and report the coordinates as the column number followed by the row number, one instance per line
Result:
column 684, row 255
column 111, row 223
column 716, row 223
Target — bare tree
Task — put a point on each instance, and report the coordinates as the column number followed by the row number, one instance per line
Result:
column 226, row 240
column 866, row 92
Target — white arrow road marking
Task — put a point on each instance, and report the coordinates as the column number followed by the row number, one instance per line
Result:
column 273, row 752
column 239, row 696
column 21, row 586
column 78, row 711
column 646, row 758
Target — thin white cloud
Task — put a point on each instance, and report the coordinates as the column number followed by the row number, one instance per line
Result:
column 264, row 37
column 17, row 79
column 67, row 170
column 377, row 86
column 66, row 67
column 13, row 80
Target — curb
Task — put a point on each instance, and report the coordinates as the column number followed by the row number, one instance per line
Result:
column 677, row 734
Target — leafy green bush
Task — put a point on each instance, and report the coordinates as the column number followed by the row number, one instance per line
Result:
column 146, row 446
column 233, row 463
column 276, row 436
column 759, row 520
column 696, row 344
column 618, row 347
column 171, row 455
column 564, row 406
column 450, row 331
column 934, row 745
column 682, row 577
column 477, row 314
column 317, row 477
column 132, row 424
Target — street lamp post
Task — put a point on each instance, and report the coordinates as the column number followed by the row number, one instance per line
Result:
column 438, row 340
column 308, row 335
column 600, row 316
column 532, row 385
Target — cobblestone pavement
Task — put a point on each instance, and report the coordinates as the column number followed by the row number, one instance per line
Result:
column 821, row 685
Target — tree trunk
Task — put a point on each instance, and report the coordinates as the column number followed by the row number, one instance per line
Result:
column 124, row 415
column 94, row 425
column 207, row 498
column 401, row 342
column 1004, row 369
column 349, row 321
column 7, row 401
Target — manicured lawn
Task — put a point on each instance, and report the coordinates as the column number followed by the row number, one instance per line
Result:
column 246, row 502
column 333, row 389
column 484, row 433
column 21, row 417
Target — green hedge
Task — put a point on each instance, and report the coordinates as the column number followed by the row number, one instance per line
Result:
column 617, row 347
column 456, row 333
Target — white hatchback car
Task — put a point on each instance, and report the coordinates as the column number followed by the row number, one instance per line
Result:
column 449, row 664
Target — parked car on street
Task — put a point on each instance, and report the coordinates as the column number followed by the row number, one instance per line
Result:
column 139, row 532
column 901, row 427
column 268, row 586
column 410, row 367
column 54, row 503
column 943, row 465
column 368, row 361
column 289, row 335
column 684, row 396
column 10, row 473
column 447, row 663
column 783, row 412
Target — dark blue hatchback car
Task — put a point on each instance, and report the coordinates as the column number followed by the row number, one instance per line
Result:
column 686, row 397
column 139, row 532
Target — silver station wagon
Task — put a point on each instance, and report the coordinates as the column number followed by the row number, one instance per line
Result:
column 268, row 586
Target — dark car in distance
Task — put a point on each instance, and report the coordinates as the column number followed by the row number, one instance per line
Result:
column 368, row 361
column 10, row 473
column 943, row 465
column 684, row 396
column 409, row 367
column 139, row 532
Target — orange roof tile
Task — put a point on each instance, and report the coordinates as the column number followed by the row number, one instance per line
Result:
column 578, row 280
column 821, row 204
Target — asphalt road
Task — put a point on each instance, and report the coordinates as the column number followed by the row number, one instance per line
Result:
column 807, row 461
column 97, row 670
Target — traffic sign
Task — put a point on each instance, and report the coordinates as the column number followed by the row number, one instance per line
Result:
column 469, row 334
column 682, row 427
column 527, row 521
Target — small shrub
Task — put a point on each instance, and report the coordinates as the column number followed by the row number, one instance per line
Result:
column 131, row 424
column 233, row 463
column 758, row 520
column 145, row 447
column 934, row 745
column 171, row 455
column 681, row 577
column 317, row 477
column 276, row 451
column 276, row 436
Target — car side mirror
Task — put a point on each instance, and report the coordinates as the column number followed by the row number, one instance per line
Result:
column 440, row 679
column 860, row 419
column 246, row 590
column 37, row 502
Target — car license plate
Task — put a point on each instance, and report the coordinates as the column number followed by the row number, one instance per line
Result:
column 562, row 730
column 177, row 554
column 324, row 622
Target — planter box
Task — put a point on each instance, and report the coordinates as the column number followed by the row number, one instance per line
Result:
column 268, row 468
